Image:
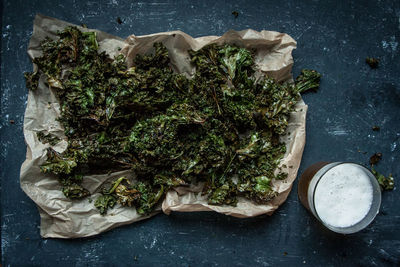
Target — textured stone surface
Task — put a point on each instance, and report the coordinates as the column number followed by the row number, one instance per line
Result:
column 333, row 37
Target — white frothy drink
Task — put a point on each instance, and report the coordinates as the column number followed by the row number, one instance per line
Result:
column 343, row 195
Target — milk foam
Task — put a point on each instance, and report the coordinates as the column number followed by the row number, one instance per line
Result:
column 343, row 195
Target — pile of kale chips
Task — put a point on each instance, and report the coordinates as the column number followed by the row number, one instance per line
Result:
column 221, row 126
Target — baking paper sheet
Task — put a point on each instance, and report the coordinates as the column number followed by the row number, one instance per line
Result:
column 65, row 218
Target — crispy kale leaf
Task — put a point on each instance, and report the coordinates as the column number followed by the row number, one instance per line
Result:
column 221, row 126
column 386, row 182
column 47, row 138
column 75, row 191
column 140, row 195
column 32, row 80
column 308, row 80
column 104, row 202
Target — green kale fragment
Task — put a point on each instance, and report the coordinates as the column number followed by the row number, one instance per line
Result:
column 47, row 138
column 308, row 80
column 236, row 61
column 386, row 182
column 140, row 195
column 235, row 14
column 263, row 188
column 63, row 166
column 104, row 202
column 149, row 197
column 71, row 186
column 221, row 195
column 222, row 126
column 32, row 80
column 75, row 191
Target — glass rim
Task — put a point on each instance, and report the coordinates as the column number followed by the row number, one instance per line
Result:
column 364, row 222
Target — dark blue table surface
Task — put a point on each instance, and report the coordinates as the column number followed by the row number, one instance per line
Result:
column 333, row 37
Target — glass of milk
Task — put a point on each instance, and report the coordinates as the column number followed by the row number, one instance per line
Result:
column 343, row 196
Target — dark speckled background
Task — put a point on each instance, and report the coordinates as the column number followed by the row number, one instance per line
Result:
column 333, row 37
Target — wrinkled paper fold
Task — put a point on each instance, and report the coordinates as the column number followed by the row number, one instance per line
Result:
column 64, row 218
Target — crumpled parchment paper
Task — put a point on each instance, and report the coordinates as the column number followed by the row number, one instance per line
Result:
column 64, row 218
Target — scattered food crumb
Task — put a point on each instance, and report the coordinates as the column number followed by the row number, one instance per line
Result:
column 285, row 253
column 375, row 158
column 83, row 25
column 135, row 258
column 376, row 128
column 359, row 151
column 119, row 20
column 12, row 121
column 235, row 14
column 386, row 183
column 372, row 62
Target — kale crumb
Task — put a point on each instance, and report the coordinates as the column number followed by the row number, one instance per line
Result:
column 47, row 138
column 235, row 14
column 119, row 20
column 375, row 158
column 372, row 62
column 376, row 128
column 360, row 151
column 385, row 182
